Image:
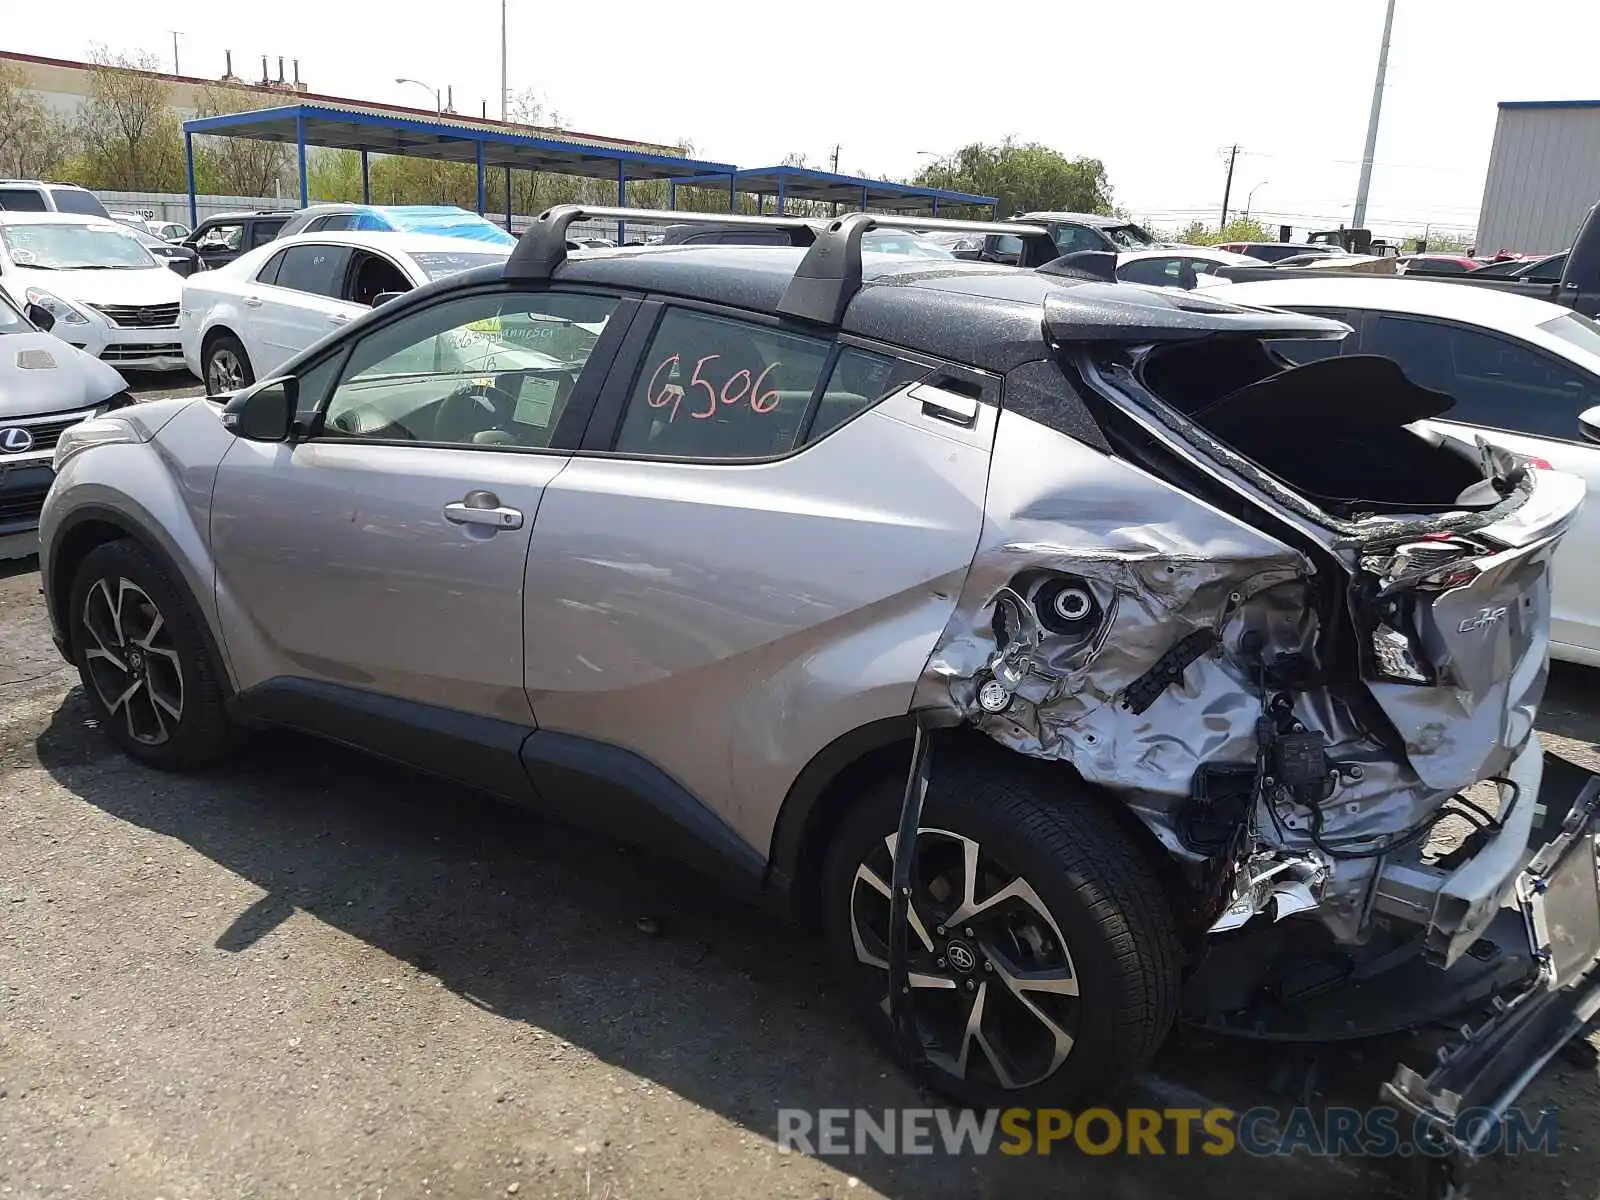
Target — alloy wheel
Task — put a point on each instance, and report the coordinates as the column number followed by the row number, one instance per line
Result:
column 994, row 990
column 131, row 660
column 224, row 373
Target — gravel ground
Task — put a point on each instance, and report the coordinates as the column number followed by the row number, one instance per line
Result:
column 311, row 974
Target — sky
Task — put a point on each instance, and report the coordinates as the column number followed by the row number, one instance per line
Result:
column 1156, row 89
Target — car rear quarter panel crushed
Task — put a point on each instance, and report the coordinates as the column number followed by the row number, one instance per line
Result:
column 1163, row 566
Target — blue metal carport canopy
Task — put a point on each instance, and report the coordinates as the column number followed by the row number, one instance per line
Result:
column 451, row 140
column 853, row 191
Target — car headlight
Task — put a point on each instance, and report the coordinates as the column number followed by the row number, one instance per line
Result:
column 96, row 431
column 58, row 308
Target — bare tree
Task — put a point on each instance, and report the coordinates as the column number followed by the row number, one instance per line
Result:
column 525, row 107
column 35, row 143
column 236, row 166
column 130, row 136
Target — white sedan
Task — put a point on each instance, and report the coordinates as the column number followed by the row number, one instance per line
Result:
column 245, row 319
column 102, row 291
column 1523, row 372
column 1186, row 267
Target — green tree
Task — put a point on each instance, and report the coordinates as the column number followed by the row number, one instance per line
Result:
column 1026, row 178
column 1240, row 229
column 35, row 143
column 1439, row 242
column 130, row 138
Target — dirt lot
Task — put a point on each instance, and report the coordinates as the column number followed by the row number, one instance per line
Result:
column 309, row 974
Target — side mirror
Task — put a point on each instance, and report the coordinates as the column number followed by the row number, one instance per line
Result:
column 385, row 297
column 264, row 412
column 40, row 316
column 1589, row 423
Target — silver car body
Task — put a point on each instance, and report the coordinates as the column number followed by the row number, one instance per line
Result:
column 718, row 630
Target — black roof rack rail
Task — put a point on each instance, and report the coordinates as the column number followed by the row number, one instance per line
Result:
column 827, row 278
column 543, row 245
column 830, row 274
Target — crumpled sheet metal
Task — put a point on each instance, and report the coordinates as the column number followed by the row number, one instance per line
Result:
column 1161, row 564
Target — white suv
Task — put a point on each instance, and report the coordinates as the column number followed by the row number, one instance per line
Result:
column 33, row 195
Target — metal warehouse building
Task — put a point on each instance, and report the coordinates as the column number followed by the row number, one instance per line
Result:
column 1544, row 175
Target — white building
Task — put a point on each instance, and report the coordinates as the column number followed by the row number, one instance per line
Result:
column 1544, row 175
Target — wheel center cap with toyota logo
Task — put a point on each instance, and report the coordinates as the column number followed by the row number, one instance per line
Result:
column 961, row 956
column 15, row 440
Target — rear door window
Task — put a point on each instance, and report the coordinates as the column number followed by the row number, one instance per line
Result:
column 22, row 200
column 1496, row 382
column 859, row 380
column 1548, row 271
column 318, row 270
column 269, row 273
column 711, row 387
column 262, row 232
column 76, row 200
column 1070, row 239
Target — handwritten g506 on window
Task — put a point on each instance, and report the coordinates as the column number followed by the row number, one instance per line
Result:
column 711, row 385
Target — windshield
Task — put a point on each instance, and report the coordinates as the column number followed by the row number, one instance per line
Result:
column 1129, row 237
column 436, row 265
column 1577, row 329
column 60, row 247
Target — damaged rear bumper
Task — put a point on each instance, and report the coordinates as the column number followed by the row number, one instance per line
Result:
column 1485, row 1068
column 1455, row 905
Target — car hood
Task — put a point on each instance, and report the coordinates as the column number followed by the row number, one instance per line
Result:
column 39, row 373
column 157, row 285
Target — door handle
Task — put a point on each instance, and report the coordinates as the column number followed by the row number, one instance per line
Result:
column 948, row 406
column 338, row 319
column 483, row 508
column 251, row 301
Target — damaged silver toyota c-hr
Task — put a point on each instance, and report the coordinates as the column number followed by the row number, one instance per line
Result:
column 1196, row 656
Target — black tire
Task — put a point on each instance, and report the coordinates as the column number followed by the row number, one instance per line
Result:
column 171, row 712
column 1120, row 945
column 225, row 358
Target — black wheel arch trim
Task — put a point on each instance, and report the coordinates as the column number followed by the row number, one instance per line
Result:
column 818, row 796
column 58, row 587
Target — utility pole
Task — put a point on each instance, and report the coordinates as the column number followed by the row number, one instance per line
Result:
column 175, row 33
column 1227, row 188
column 1359, row 218
column 502, row 60
column 836, row 150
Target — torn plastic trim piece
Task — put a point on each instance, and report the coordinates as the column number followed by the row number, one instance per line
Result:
column 902, row 1021
column 1167, row 670
column 1201, row 450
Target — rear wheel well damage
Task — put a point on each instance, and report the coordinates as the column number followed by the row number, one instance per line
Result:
column 817, row 807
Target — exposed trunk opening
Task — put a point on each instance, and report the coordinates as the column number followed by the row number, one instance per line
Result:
column 1333, row 430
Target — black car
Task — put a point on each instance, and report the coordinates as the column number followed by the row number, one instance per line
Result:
column 181, row 259
column 1275, row 252
column 224, row 237
column 1073, row 233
